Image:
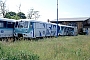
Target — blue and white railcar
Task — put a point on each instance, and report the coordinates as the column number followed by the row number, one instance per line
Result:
column 32, row 29
column 6, row 27
column 67, row 30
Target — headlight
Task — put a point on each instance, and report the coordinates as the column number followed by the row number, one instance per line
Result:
column 24, row 34
column 26, row 30
column 14, row 30
column 14, row 34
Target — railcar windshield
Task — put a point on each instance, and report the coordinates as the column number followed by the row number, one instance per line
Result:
column 21, row 24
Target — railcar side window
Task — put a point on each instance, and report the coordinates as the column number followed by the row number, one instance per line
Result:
column 16, row 24
column 10, row 25
column 1, row 24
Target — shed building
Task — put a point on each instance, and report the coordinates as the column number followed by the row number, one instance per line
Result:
column 82, row 23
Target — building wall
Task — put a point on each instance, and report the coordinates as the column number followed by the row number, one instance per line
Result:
column 80, row 26
column 88, row 21
column 88, row 31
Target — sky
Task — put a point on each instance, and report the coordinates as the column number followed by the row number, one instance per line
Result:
column 48, row 8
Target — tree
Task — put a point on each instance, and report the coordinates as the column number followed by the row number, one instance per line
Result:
column 3, row 8
column 13, row 15
column 16, row 17
column 21, row 15
column 33, row 14
column 10, row 15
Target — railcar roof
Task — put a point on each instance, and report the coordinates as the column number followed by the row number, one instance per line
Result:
column 32, row 20
column 27, row 20
column 6, row 19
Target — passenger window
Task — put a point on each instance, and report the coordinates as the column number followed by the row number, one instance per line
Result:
column 10, row 25
column 1, row 25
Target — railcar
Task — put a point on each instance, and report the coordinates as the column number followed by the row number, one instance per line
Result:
column 6, row 28
column 28, row 28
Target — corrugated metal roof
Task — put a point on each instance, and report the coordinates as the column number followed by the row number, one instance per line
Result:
column 71, row 19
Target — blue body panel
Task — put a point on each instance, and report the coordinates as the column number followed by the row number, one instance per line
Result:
column 6, row 27
column 6, row 32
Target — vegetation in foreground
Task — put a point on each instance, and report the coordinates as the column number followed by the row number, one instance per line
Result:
column 61, row 48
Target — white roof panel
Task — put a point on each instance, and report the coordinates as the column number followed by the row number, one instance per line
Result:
column 6, row 19
column 32, row 20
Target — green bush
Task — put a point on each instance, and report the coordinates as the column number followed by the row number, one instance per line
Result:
column 14, row 55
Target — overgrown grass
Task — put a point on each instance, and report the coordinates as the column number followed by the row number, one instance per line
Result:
column 61, row 48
